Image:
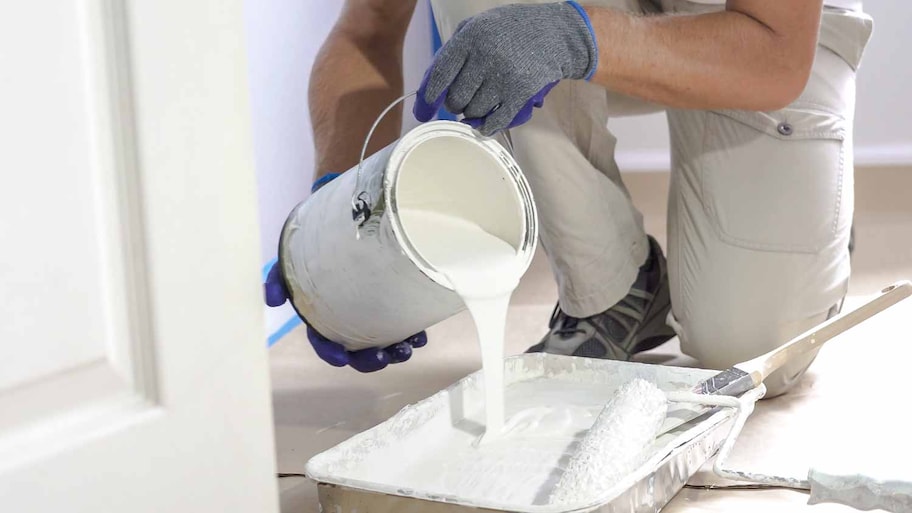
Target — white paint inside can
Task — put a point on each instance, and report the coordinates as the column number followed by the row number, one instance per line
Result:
column 449, row 169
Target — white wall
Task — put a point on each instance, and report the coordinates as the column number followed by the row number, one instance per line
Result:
column 283, row 37
column 883, row 114
column 884, row 111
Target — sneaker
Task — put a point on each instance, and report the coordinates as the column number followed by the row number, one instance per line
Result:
column 633, row 325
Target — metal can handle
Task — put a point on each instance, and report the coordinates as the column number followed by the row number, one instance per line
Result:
column 361, row 201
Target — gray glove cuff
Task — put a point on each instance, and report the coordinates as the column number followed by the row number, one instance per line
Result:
column 589, row 42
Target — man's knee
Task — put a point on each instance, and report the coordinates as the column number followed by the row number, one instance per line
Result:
column 721, row 341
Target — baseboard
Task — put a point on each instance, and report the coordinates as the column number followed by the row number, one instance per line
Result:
column 887, row 155
column 643, row 161
column 659, row 160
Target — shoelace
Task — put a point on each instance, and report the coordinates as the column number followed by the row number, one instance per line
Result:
column 568, row 325
column 626, row 313
column 634, row 310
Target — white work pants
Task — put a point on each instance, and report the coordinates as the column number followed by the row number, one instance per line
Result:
column 759, row 211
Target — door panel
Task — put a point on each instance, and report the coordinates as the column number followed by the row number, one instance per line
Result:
column 132, row 366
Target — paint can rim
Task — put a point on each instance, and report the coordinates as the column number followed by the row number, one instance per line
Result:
column 443, row 128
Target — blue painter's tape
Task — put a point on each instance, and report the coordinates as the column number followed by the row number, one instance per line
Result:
column 268, row 266
column 325, row 179
column 435, row 34
column 289, row 325
column 436, row 44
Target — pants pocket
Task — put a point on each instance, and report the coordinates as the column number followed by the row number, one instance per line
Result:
column 773, row 181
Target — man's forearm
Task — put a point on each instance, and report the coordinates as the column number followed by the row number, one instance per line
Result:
column 733, row 59
column 357, row 73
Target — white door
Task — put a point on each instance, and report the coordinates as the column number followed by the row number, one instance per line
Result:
column 133, row 373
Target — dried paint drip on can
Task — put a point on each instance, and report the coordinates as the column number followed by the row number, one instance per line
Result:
column 446, row 219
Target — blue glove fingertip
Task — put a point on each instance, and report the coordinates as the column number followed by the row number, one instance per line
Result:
column 423, row 110
column 474, row 122
column 369, row 360
column 418, row 341
column 274, row 290
column 330, row 352
column 400, row 352
column 537, row 101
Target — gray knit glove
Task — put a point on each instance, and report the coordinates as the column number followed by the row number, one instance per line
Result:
column 501, row 63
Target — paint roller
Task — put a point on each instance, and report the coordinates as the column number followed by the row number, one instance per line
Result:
column 629, row 423
column 616, row 443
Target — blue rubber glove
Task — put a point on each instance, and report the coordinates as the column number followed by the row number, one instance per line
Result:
column 365, row 360
column 502, row 63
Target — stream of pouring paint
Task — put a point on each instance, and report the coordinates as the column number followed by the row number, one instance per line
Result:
column 484, row 270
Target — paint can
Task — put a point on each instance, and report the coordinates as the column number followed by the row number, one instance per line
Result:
column 352, row 271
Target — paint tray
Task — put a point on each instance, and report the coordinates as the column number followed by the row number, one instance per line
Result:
column 375, row 471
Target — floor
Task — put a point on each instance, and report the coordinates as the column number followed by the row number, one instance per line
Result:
column 842, row 407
